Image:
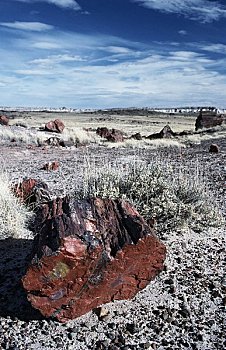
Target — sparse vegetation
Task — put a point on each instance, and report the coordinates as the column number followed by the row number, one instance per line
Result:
column 13, row 214
column 177, row 198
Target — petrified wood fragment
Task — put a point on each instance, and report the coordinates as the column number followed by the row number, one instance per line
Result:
column 88, row 253
column 55, row 126
column 209, row 119
column 165, row 133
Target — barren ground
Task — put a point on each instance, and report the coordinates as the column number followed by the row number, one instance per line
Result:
column 181, row 309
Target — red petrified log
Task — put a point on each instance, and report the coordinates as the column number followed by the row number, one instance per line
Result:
column 55, row 126
column 4, row 120
column 24, row 189
column 31, row 191
column 112, row 135
column 88, row 253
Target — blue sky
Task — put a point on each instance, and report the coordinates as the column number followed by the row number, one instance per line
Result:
column 112, row 53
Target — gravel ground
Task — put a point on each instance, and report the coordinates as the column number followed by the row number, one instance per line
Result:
column 183, row 308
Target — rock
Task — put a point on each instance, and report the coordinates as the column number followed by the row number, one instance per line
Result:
column 53, row 141
column 89, row 252
column 51, row 166
column 208, row 119
column 24, row 189
column 136, row 136
column 165, row 133
column 214, row 148
column 103, row 132
column 4, row 120
column 32, row 191
column 101, row 312
column 112, row 135
column 55, row 126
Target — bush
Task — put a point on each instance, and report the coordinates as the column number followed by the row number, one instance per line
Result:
column 175, row 198
column 13, row 214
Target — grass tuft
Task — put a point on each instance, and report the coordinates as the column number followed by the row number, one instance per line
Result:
column 13, row 214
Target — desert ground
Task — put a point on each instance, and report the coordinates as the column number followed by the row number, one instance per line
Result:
column 183, row 308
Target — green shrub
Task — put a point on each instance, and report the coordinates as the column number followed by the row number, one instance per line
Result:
column 175, row 197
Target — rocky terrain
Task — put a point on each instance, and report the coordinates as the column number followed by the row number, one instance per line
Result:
column 183, row 308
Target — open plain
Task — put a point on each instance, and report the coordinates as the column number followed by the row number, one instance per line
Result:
column 183, row 307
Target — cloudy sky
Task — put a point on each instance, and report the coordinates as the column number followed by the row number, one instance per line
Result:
column 112, row 53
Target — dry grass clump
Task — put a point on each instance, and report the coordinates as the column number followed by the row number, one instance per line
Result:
column 13, row 214
column 79, row 135
column 20, row 134
column 146, row 143
column 175, row 198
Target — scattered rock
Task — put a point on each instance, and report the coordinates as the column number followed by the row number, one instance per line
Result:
column 103, row 132
column 214, row 148
column 88, row 253
column 136, row 136
column 4, row 120
column 55, row 142
column 51, row 166
column 55, row 126
column 101, row 312
column 165, row 133
column 208, row 119
column 112, row 135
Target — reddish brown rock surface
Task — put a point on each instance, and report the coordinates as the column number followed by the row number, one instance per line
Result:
column 55, row 126
column 31, row 191
column 112, row 135
column 24, row 189
column 4, row 120
column 88, row 253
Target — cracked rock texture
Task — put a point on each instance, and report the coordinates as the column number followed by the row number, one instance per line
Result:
column 88, row 253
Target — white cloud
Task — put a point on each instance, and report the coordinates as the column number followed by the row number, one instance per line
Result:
column 182, row 32
column 201, row 10
column 60, row 68
column 60, row 3
column 30, row 26
column 217, row 48
column 56, row 59
column 45, row 45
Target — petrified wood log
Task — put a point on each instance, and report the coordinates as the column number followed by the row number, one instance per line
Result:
column 165, row 133
column 88, row 253
column 209, row 119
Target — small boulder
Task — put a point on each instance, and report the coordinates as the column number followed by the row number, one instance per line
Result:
column 209, row 119
column 165, row 133
column 103, row 132
column 214, row 148
column 89, row 252
column 136, row 136
column 55, row 126
column 4, row 120
column 55, row 142
column 51, row 166
column 112, row 135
